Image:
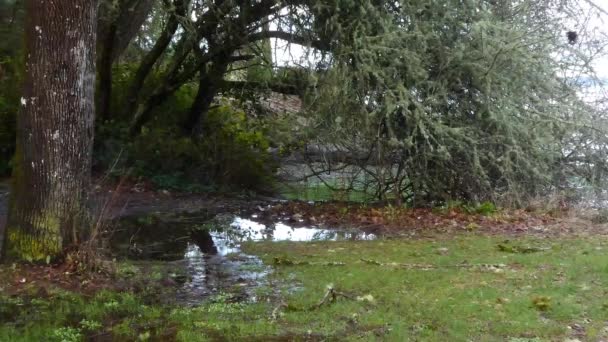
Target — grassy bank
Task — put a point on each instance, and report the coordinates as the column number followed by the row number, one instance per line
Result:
column 468, row 287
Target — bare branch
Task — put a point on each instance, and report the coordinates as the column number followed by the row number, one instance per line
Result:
column 597, row 7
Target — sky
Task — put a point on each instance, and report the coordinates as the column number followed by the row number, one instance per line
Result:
column 598, row 27
column 601, row 24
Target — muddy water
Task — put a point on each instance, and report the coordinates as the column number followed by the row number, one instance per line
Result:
column 204, row 254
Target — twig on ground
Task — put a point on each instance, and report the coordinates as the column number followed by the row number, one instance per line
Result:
column 277, row 311
column 330, row 297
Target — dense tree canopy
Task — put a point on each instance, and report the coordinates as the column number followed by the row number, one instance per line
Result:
column 462, row 99
column 421, row 101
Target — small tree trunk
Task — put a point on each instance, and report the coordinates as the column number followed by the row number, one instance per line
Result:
column 104, row 71
column 55, row 130
column 171, row 82
column 207, row 90
column 143, row 114
column 192, row 126
column 152, row 57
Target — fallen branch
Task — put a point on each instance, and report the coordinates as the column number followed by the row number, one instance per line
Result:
column 425, row 267
column 330, row 297
column 277, row 311
column 290, row 262
column 521, row 249
column 481, row 267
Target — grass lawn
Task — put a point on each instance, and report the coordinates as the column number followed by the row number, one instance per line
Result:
column 467, row 287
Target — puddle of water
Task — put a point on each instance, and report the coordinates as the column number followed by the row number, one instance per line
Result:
column 207, row 255
column 281, row 232
column 209, row 274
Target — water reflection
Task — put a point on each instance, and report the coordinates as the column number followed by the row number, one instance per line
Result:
column 279, row 231
column 209, row 274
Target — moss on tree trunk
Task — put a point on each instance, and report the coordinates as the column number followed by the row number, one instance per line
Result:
column 55, row 131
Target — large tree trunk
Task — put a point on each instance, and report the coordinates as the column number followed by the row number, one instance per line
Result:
column 55, row 131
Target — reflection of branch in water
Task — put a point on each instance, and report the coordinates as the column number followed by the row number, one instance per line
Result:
column 324, row 235
column 204, row 241
column 133, row 249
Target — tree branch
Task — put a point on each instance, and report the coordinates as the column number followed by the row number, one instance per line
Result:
column 291, row 38
column 597, row 7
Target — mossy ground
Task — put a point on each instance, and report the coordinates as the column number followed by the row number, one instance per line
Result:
column 448, row 288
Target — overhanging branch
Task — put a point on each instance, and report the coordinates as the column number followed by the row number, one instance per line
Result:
column 291, row 38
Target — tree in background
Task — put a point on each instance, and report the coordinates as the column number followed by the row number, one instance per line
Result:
column 467, row 100
column 436, row 100
column 11, row 51
column 54, row 131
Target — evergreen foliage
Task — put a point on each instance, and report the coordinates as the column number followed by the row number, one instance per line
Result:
column 449, row 99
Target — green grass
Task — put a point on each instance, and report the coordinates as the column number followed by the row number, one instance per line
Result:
column 448, row 303
column 544, row 287
column 66, row 316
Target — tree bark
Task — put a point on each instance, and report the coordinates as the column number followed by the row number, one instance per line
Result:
column 144, row 110
column 55, row 131
column 131, row 19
